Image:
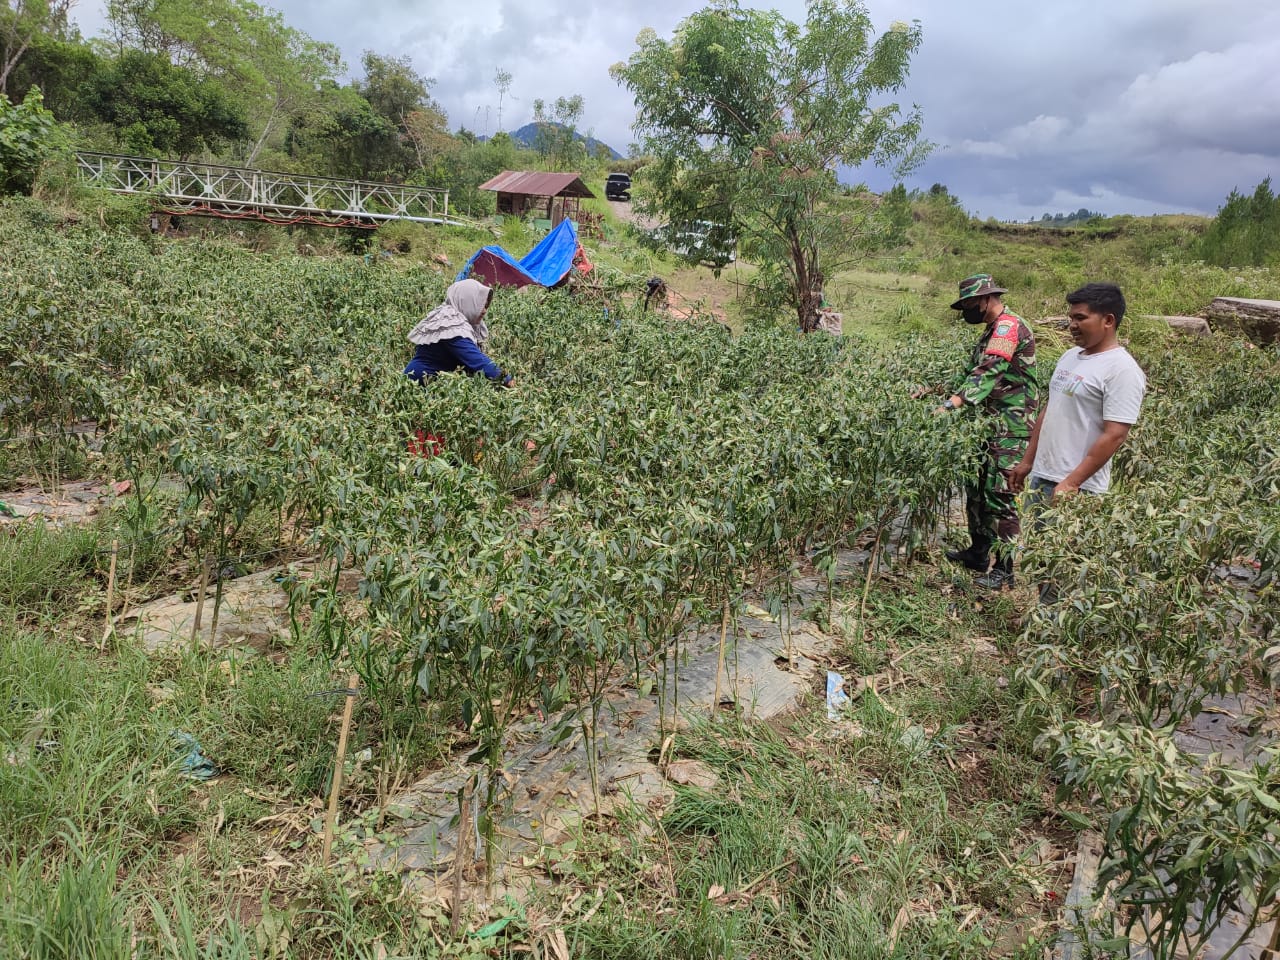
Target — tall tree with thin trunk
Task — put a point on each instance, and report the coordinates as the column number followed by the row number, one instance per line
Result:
column 272, row 69
column 557, row 139
column 749, row 116
column 20, row 22
column 502, row 79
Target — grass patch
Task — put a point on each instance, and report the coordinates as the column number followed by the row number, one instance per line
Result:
column 43, row 565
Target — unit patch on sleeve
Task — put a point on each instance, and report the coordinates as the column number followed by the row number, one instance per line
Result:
column 1004, row 338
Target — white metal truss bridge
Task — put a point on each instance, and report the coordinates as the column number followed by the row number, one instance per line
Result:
column 209, row 189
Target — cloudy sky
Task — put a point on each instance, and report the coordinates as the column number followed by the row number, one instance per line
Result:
column 1122, row 106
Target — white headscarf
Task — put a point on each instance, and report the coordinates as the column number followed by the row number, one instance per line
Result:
column 458, row 316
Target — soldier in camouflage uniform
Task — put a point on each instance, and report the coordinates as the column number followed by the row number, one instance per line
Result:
column 1001, row 382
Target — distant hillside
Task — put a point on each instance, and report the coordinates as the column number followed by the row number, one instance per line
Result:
column 528, row 136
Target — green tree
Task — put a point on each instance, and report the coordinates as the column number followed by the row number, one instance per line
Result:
column 399, row 95
column 338, row 135
column 59, row 63
column 426, row 131
column 897, row 215
column 29, row 135
column 383, row 127
column 1246, row 231
column 393, row 87
column 502, row 80
column 469, row 163
column 748, row 116
column 272, row 70
column 157, row 107
column 557, row 140
column 283, row 77
column 22, row 22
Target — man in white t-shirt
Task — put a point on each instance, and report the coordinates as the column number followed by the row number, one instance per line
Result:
column 1094, row 399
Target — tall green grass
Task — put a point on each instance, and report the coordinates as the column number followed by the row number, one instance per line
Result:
column 75, row 914
column 42, row 564
column 1153, row 259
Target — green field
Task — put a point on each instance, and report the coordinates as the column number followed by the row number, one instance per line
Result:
column 646, row 472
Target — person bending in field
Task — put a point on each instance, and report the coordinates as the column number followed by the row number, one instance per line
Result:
column 450, row 336
column 1094, row 399
column 1000, row 382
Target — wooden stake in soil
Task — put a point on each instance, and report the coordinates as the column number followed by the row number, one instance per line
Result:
column 204, row 585
column 1080, row 897
column 217, row 603
column 111, row 590
column 128, row 581
column 1273, row 948
column 866, row 587
column 460, row 858
column 724, row 629
column 331, row 818
column 791, row 656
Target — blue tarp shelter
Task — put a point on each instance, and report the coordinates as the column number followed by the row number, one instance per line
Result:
column 547, row 264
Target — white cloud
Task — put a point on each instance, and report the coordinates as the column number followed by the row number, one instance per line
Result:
column 1132, row 106
column 1227, row 100
column 1027, row 139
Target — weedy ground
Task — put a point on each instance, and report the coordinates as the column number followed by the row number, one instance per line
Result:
column 922, row 820
column 922, row 825
column 919, row 826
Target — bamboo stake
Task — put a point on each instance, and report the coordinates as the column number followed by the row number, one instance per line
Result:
column 1273, row 948
column 460, row 857
column 128, row 581
column 737, row 671
column 724, row 629
column 331, row 818
column 217, row 607
column 1081, row 894
column 107, row 627
column 204, row 585
column 866, row 588
column 791, row 656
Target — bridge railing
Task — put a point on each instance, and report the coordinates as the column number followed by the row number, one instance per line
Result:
column 213, row 188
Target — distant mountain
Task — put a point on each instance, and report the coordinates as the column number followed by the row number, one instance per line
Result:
column 528, row 136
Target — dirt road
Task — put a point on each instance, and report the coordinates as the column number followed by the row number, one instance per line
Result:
column 622, row 209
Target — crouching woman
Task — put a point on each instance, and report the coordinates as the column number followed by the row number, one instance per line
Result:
column 450, row 336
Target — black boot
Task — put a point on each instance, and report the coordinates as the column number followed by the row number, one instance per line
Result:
column 971, row 559
column 1001, row 575
column 977, row 556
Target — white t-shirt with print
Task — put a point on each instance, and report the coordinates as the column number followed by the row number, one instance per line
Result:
column 1086, row 390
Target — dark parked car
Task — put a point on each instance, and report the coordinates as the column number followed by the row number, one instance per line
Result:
column 618, row 187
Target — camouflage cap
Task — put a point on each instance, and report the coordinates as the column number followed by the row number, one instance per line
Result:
column 978, row 285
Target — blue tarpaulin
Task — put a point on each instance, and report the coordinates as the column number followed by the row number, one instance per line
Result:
column 546, row 264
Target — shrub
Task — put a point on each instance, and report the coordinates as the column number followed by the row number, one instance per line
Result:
column 29, row 135
column 1246, row 231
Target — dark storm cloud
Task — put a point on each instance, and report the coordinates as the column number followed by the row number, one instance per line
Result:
column 1121, row 105
column 1144, row 106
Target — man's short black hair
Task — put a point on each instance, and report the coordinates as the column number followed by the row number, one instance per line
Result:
column 1101, row 298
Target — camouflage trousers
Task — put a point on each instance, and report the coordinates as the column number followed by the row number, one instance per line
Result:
column 990, row 506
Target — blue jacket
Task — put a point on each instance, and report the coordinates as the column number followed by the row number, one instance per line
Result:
column 445, row 356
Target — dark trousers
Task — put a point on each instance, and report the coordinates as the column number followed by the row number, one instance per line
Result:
column 1039, row 493
column 990, row 506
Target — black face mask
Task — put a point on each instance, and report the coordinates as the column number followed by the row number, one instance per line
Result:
column 974, row 314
